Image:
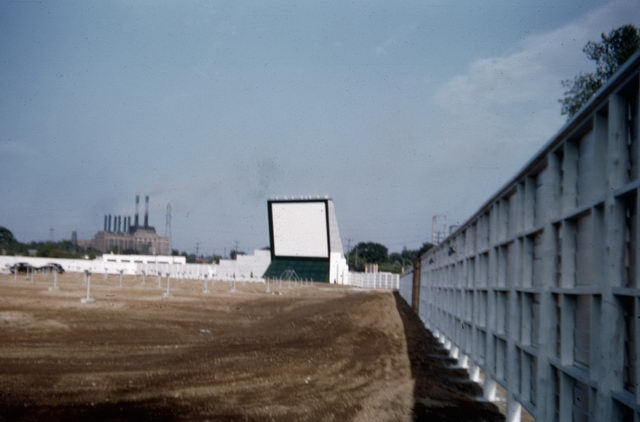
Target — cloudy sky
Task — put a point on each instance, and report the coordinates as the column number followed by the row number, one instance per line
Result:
column 397, row 110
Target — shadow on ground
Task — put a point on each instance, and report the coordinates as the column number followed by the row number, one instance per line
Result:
column 145, row 411
column 155, row 410
column 443, row 392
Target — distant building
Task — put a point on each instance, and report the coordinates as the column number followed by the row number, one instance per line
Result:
column 120, row 235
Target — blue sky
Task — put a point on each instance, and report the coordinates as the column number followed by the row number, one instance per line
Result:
column 397, row 110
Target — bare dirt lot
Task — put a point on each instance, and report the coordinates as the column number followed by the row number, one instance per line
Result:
column 294, row 354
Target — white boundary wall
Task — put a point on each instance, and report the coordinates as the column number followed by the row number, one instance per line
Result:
column 338, row 269
column 245, row 268
column 540, row 289
column 380, row 280
column 145, row 259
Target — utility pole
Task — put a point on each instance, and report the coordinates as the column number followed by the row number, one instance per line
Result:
column 349, row 249
column 236, row 249
column 167, row 225
column 438, row 228
column 197, row 248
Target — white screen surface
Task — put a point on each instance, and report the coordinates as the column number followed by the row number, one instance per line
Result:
column 300, row 229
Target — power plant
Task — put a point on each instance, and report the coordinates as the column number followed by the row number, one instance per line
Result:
column 118, row 234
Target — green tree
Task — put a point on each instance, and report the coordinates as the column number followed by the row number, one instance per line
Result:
column 609, row 54
column 368, row 252
column 424, row 248
column 6, row 238
column 398, row 261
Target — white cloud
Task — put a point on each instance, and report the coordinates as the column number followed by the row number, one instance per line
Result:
column 503, row 109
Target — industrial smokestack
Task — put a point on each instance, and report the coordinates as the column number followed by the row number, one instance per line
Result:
column 137, row 206
column 146, row 212
column 109, row 224
column 105, row 223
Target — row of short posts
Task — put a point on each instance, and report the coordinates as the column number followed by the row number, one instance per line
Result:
column 167, row 293
column 29, row 275
column 87, row 281
column 292, row 283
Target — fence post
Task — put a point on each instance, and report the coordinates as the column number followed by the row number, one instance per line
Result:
column 55, row 281
column 88, row 298
column 167, row 294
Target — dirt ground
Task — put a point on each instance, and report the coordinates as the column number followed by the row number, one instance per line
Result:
column 292, row 353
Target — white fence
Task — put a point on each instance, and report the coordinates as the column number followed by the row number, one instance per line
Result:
column 540, row 289
column 379, row 280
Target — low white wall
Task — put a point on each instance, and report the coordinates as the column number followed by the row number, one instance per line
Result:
column 245, row 268
column 380, row 280
column 72, row 265
column 338, row 269
column 145, row 259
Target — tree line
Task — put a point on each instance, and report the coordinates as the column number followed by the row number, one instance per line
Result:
column 9, row 245
column 375, row 253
